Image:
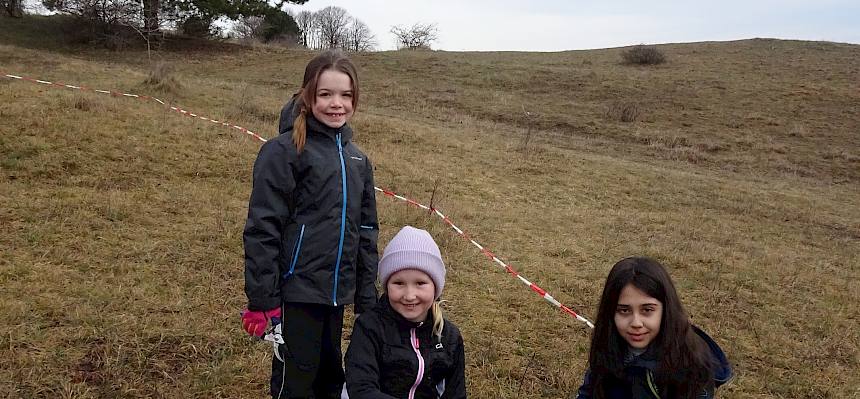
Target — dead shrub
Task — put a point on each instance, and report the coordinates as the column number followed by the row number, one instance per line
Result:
column 161, row 78
column 670, row 141
column 623, row 111
column 246, row 109
column 711, row 147
column 285, row 40
column 797, row 130
column 643, row 55
column 841, row 155
column 87, row 103
column 687, row 154
column 83, row 104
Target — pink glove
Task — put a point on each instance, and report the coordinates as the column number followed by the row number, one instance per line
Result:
column 254, row 322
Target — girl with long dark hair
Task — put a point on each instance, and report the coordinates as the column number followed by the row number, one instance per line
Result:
column 644, row 345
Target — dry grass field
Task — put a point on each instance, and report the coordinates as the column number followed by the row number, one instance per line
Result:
column 121, row 253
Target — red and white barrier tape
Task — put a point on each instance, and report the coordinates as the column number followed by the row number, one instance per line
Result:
column 141, row 97
column 534, row 287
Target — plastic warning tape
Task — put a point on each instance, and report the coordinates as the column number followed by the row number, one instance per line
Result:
column 140, row 97
column 510, row 270
column 534, row 287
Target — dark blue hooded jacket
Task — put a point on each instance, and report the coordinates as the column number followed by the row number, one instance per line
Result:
column 639, row 382
column 311, row 231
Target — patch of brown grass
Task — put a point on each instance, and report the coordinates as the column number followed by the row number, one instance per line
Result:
column 623, row 112
column 122, row 266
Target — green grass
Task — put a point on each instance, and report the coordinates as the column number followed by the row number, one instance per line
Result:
column 121, row 273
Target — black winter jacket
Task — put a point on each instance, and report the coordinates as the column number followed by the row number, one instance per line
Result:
column 382, row 363
column 311, row 231
column 638, row 380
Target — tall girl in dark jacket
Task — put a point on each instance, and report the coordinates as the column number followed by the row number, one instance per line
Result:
column 644, row 345
column 310, row 237
column 403, row 347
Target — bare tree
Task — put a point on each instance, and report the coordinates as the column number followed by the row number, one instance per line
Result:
column 416, row 36
column 333, row 27
column 308, row 26
column 249, row 28
column 359, row 37
column 151, row 24
column 102, row 12
column 15, row 8
column 333, row 22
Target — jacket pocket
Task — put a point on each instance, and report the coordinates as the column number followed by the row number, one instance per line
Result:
column 440, row 364
column 297, row 249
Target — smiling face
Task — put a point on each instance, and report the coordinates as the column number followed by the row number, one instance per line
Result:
column 411, row 293
column 638, row 317
column 333, row 104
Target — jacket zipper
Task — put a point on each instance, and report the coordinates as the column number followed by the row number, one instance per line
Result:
column 342, row 218
column 296, row 250
column 650, row 379
column 415, row 346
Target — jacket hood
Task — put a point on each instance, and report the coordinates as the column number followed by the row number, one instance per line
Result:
column 288, row 116
column 722, row 368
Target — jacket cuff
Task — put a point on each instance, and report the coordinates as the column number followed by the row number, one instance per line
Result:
column 263, row 303
column 364, row 306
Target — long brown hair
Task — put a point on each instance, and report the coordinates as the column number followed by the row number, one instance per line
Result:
column 685, row 368
column 306, row 96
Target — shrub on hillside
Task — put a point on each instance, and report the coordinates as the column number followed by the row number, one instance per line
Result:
column 643, row 55
column 198, row 26
column 246, row 108
column 161, row 78
column 623, row 111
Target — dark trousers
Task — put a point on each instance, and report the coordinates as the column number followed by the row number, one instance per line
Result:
column 313, row 365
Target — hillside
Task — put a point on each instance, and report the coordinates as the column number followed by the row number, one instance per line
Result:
column 121, row 273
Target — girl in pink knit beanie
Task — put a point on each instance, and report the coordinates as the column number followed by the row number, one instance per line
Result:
column 404, row 347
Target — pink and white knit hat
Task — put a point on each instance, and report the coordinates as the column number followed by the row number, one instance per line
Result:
column 415, row 249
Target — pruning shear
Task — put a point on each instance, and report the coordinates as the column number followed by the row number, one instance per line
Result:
column 273, row 335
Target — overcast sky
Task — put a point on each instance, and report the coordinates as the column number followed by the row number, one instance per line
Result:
column 556, row 25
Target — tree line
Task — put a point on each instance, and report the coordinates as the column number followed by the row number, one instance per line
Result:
column 15, row 8
column 149, row 18
column 333, row 27
column 330, row 27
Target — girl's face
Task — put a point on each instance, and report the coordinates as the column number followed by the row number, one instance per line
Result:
column 333, row 101
column 638, row 317
column 411, row 293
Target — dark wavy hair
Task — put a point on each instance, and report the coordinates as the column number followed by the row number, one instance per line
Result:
column 328, row 60
column 684, row 368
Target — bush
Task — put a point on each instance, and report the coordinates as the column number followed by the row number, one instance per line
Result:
column 643, row 55
column 161, row 78
column 623, row 111
column 197, row 26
